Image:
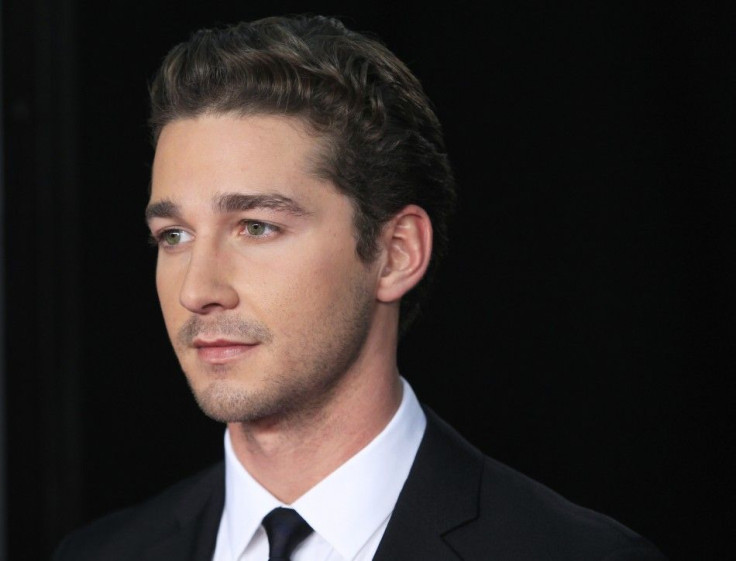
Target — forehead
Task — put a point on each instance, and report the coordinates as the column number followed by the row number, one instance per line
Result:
column 229, row 153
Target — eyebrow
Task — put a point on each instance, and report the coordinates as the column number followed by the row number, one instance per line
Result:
column 230, row 202
column 162, row 209
column 236, row 202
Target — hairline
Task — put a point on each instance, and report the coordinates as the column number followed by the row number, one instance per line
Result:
column 324, row 139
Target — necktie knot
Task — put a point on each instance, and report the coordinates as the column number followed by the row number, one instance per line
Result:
column 285, row 530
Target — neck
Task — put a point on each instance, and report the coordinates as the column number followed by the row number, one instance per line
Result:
column 288, row 456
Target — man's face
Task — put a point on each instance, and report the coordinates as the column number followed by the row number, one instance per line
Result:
column 264, row 298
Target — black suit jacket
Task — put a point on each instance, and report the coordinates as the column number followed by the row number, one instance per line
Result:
column 456, row 504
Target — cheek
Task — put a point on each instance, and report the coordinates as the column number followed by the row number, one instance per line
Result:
column 168, row 288
column 164, row 286
column 305, row 292
column 332, row 285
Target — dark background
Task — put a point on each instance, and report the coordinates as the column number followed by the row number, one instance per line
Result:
column 581, row 330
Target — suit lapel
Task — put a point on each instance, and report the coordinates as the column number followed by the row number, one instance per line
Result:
column 440, row 495
column 197, row 519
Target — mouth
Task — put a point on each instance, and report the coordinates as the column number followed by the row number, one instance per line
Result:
column 220, row 351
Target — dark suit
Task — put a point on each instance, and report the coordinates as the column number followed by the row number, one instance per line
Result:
column 456, row 505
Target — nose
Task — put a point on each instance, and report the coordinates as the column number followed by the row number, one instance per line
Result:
column 207, row 285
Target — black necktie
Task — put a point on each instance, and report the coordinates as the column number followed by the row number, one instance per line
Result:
column 285, row 530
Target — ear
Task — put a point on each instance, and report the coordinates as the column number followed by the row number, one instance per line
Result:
column 407, row 246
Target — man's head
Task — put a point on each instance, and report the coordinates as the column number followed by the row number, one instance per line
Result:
column 382, row 143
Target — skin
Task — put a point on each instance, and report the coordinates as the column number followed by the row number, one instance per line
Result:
column 282, row 331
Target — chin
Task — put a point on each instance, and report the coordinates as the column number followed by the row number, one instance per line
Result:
column 223, row 402
column 227, row 402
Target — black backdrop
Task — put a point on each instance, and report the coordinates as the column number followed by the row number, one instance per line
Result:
column 581, row 329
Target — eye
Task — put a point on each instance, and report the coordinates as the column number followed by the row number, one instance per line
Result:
column 173, row 237
column 256, row 229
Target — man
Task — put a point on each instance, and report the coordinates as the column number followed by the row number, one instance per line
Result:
column 299, row 199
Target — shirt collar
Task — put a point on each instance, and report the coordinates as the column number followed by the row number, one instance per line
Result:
column 246, row 501
column 349, row 505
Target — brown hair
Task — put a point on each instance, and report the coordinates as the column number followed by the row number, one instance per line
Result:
column 384, row 143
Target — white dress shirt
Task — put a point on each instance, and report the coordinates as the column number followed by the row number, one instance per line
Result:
column 348, row 510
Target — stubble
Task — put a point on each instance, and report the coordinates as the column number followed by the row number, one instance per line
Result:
column 304, row 372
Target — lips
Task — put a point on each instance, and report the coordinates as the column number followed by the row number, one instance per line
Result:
column 221, row 351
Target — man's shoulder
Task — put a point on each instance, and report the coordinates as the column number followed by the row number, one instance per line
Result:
column 123, row 534
column 534, row 518
column 507, row 515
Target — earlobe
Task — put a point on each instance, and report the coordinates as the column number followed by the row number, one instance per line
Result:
column 407, row 242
